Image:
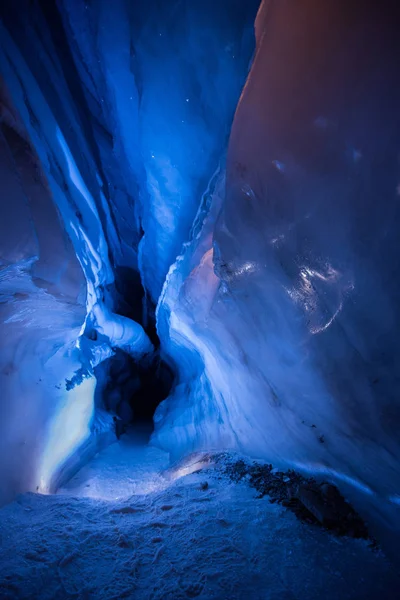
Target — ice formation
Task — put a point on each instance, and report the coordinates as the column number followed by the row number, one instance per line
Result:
column 123, row 165
column 269, row 264
column 287, row 300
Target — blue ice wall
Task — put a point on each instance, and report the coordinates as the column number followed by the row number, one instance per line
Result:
column 288, row 301
column 193, row 59
column 42, row 308
column 162, row 79
column 143, row 94
column 127, row 108
column 277, row 279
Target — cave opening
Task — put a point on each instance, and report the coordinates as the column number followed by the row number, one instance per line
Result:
column 131, row 389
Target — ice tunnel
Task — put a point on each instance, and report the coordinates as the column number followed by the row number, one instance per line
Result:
column 200, row 207
column 114, row 118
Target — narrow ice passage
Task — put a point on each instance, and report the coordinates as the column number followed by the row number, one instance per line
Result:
column 199, row 217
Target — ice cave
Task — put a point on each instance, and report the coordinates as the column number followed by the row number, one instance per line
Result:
column 200, row 299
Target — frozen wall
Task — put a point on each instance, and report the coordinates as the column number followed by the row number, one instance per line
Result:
column 126, row 108
column 288, row 301
column 42, row 307
column 154, row 87
column 193, row 58
column 281, row 311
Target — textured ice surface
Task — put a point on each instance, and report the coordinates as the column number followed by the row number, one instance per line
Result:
column 124, row 109
column 41, row 289
column 175, row 540
column 191, row 75
column 144, row 94
column 281, row 313
column 287, row 303
column 42, row 298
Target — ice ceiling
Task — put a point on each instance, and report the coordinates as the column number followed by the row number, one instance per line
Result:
column 269, row 263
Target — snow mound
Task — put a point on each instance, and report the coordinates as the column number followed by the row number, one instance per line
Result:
column 182, row 540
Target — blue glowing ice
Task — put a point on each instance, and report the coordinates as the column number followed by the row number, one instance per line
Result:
column 277, row 288
column 124, row 163
column 283, row 313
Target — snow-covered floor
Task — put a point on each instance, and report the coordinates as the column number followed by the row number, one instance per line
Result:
column 122, row 529
column 123, row 469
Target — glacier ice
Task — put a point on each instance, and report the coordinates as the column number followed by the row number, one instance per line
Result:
column 42, row 292
column 124, row 165
column 272, row 273
column 286, row 303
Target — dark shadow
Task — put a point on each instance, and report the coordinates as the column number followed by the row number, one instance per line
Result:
column 132, row 391
column 129, row 287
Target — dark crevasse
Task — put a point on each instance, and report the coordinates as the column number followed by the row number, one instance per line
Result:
column 122, row 112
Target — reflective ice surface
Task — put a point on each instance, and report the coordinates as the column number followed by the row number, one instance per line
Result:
column 123, row 111
column 288, row 301
column 276, row 278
